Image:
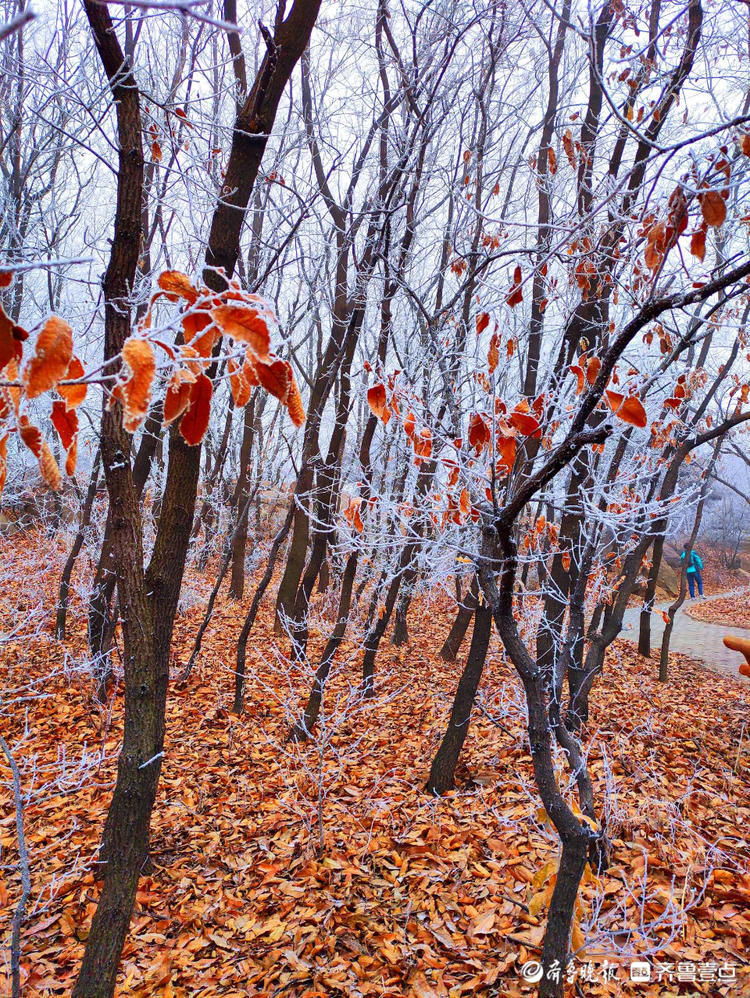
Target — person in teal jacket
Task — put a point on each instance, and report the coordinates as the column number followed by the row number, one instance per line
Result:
column 695, row 567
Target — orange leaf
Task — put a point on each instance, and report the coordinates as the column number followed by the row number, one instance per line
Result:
column 276, row 377
column 565, row 558
column 423, row 443
column 48, row 467
column 745, row 144
column 70, row 460
column 247, row 325
column 239, row 384
column 31, row 436
column 506, row 447
column 464, row 503
column 294, row 404
column 410, row 424
column 376, row 399
column 135, row 391
column 614, row 400
column 66, row 424
column 698, row 243
column 10, row 394
column 73, row 394
column 524, row 423
column 10, row 340
column 196, row 323
column 354, row 516
column 6, row 278
column 156, row 151
column 713, row 208
column 479, row 432
column 493, row 354
column 483, row 320
column 178, row 285
column 194, row 423
column 515, row 295
column 177, row 398
column 592, row 369
column 578, row 371
column 52, row 355
column 629, row 410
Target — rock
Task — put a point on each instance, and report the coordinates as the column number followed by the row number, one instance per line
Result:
column 668, row 579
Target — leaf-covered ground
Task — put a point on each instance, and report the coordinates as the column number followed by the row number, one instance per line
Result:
column 732, row 609
column 324, row 869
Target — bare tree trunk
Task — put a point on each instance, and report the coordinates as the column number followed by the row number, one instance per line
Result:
column 466, row 608
column 443, row 769
column 62, row 600
column 239, row 544
column 304, row 726
column 239, row 675
column 149, row 598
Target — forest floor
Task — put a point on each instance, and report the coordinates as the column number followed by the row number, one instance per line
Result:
column 324, row 869
column 732, row 609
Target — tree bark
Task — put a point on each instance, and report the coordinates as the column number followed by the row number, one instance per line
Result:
column 466, row 608
column 149, row 599
column 62, row 600
column 443, row 769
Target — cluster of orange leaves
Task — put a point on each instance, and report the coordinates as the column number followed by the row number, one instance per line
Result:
column 246, row 318
column 53, row 367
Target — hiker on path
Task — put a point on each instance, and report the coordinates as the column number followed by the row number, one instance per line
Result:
column 695, row 567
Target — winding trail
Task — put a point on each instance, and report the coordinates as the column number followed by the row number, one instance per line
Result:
column 696, row 638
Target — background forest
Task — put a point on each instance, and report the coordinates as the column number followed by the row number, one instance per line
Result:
column 363, row 368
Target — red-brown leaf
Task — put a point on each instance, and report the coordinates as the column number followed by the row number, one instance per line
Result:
column 194, row 423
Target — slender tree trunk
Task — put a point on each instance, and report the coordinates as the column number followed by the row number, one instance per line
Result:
column 466, row 608
column 239, row 545
column 62, row 601
column 304, row 726
column 443, row 770
column 295, row 561
column 239, row 675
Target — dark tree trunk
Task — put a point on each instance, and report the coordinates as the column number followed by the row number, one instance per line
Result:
column 561, row 911
column 101, row 620
column 62, row 601
column 295, row 562
column 400, row 634
column 239, row 545
column 149, row 599
column 239, row 673
column 443, row 769
column 303, row 728
column 466, row 608
column 644, row 632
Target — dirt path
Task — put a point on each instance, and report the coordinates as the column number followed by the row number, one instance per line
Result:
column 696, row 638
